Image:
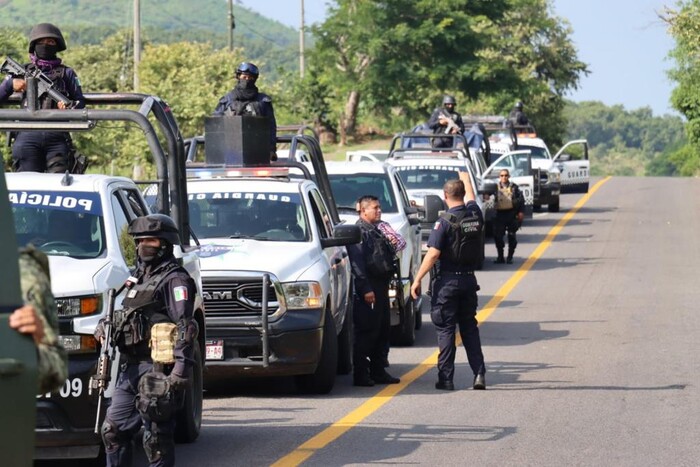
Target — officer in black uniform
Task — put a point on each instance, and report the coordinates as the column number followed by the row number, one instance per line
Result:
column 372, row 263
column 517, row 116
column 245, row 99
column 439, row 122
column 161, row 291
column 509, row 216
column 45, row 151
column 454, row 300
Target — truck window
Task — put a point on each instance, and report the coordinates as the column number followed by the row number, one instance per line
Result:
column 348, row 188
column 121, row 222
column 59, row 224
column 323, row 219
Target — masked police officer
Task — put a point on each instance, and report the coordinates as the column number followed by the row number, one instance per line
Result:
column 446, row 120
column 160, row 292
column 245, row 99
column 509, row 216
column 45, row 151
column 455, row 254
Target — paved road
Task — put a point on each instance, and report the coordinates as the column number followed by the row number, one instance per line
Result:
column 591, row 346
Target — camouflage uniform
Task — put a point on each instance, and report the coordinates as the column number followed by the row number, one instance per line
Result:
column 36, row 291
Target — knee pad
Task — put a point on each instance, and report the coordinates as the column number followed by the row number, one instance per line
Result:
column 57, row 164
column 110, row 436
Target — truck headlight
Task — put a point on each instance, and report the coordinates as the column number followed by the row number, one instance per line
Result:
column 78, row 343
column 303, row 295
column 78, row 306
column 554, row 177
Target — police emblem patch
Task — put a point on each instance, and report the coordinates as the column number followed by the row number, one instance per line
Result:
column 437, row 225
column 180, row 293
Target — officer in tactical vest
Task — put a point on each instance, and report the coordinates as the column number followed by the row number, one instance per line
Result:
column 509, row 216
column 245, row 99
column 454, row 255
column 373, row 267
column 39, row 318
column 158, row 306
column 45, row 151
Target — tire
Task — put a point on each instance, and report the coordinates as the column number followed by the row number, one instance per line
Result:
column 405, row 333
column 322, row 380
column 188, row 420
column 345, row 342
column 554, row 205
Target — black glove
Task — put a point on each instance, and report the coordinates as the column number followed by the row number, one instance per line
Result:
column 178, row 382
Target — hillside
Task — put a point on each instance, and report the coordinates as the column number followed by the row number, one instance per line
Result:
column 90, row 21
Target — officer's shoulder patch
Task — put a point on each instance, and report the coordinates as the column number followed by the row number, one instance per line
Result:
column 437, row 225
column 180, row 293
column 267, row 99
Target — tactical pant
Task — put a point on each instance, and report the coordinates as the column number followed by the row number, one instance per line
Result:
column 453, row 303
column 505, row 222
column 41, row 151
column 123, row 422
column 371, row 330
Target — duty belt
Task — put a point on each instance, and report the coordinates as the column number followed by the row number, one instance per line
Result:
column 458, row 273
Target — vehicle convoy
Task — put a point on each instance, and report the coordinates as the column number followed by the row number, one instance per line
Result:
column 275, row 270
column 424, row 172
column 350, row 181
column 565, row 172
column 80, row 222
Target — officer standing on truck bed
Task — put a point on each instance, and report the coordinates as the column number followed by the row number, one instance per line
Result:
column 245, row 99
column 45, row 151
column 454, row 250
column 161, row 292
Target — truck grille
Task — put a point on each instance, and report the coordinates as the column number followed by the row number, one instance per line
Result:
column 237, row 297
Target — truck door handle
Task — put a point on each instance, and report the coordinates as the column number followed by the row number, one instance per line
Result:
column 10, row 367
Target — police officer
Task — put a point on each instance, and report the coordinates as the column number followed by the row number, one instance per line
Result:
column 509, row 216
column 245, row 99
column 454, row 300
column 45, row 151
column 161, row 291
column 440, row 119
column 517, row 116
column 372, row 263
column 39, row 319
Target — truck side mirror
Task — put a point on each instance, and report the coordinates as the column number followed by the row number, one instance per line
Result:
column 433, row 205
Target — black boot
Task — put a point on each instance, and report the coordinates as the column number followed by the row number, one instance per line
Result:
column 500, row 259
column 509, row 260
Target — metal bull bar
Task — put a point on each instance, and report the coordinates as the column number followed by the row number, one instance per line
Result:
column 262, row 326
column 170, row 164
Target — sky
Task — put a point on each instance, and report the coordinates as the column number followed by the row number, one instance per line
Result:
column 623, row 42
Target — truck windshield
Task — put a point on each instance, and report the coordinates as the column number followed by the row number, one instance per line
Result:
column 348, row 188
column 259, row 216
column 60, row 225
column 427, row 177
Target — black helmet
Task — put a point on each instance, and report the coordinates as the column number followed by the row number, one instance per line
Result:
column 519, row 105
column 155, row 225
column 247, row 67
column 449, row 100
column 44, row 30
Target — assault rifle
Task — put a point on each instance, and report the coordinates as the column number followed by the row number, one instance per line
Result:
column 44, row 83
column 100, row 380
column 451, row 125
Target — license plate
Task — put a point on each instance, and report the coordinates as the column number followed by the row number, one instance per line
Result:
column 215, row 350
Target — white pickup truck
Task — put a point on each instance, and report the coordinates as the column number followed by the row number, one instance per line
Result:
column 275, row 270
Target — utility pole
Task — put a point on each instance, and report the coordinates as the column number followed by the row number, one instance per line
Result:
column 231, row 25
column 137, row 42
column 301, row 42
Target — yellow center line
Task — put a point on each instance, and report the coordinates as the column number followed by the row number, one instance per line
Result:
column 367, row 408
